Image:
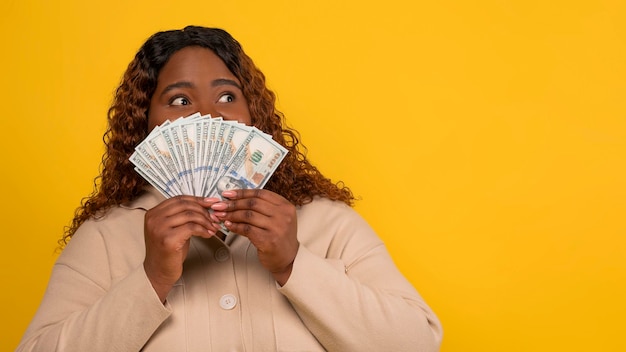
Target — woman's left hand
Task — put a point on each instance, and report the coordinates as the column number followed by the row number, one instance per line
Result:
column 269, row 221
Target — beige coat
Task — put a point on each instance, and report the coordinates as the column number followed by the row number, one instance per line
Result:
column 344, row 294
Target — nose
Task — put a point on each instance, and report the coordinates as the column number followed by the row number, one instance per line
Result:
column 208, row 108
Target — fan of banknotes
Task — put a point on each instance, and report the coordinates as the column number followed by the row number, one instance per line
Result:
column 203, row 156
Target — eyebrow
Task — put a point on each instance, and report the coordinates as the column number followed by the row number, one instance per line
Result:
column 225, row 82
column 181, row 84
column 216, row 83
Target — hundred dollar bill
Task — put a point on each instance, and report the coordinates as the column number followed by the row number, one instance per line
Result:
column 202, row 156
column 236, row 138
column 146, row 171
column 207, row 146
column 203, row 128
column 183, row 146
column 161, row 146
column 252, row 164
column 189, row 139
column 250, row 167
column 146, row 153
column 217, row 139
column 173, row 137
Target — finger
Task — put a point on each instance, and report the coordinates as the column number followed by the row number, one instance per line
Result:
column 250, row 217
column 174, row 226
column 201, row 217
column 253, row 232
column 175, row 204
column 253, row 204
column 190, row 229
column 179, row 216
column 264, row 194
column 186, row 205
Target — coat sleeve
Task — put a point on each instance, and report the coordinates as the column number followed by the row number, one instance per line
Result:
column 350, row 294
column 85, row 309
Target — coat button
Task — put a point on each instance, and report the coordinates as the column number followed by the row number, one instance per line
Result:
column 228, row 301
column 221, row 254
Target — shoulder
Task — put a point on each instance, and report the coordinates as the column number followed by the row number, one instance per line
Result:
column 329, row 209
column 123, row 218
column 116, row 234
column 326, row 226
column 330, row 214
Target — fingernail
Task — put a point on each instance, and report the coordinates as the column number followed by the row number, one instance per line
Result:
column 219, row 214
column 227, row 223
column 219, row 206
column 211, row 200
column 229, row 194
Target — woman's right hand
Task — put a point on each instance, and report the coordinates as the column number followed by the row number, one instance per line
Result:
column 168, row 227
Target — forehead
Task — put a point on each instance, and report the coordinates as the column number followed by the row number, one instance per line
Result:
column 194, row 62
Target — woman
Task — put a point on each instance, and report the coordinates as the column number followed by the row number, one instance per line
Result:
column 303, row 273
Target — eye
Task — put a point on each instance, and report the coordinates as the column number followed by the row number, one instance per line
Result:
column 179, row 101
column 226, row 98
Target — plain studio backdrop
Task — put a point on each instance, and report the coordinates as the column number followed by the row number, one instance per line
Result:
column 485, row 139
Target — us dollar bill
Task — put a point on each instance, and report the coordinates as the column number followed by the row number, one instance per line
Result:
column 203, row 155
column 252, row 164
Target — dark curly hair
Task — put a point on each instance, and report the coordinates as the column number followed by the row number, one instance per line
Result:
column 296, row 178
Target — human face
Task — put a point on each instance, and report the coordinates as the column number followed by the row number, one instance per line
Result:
column 226, row 183
column 195, row 79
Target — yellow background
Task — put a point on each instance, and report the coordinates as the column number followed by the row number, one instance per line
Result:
column 486, row 139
